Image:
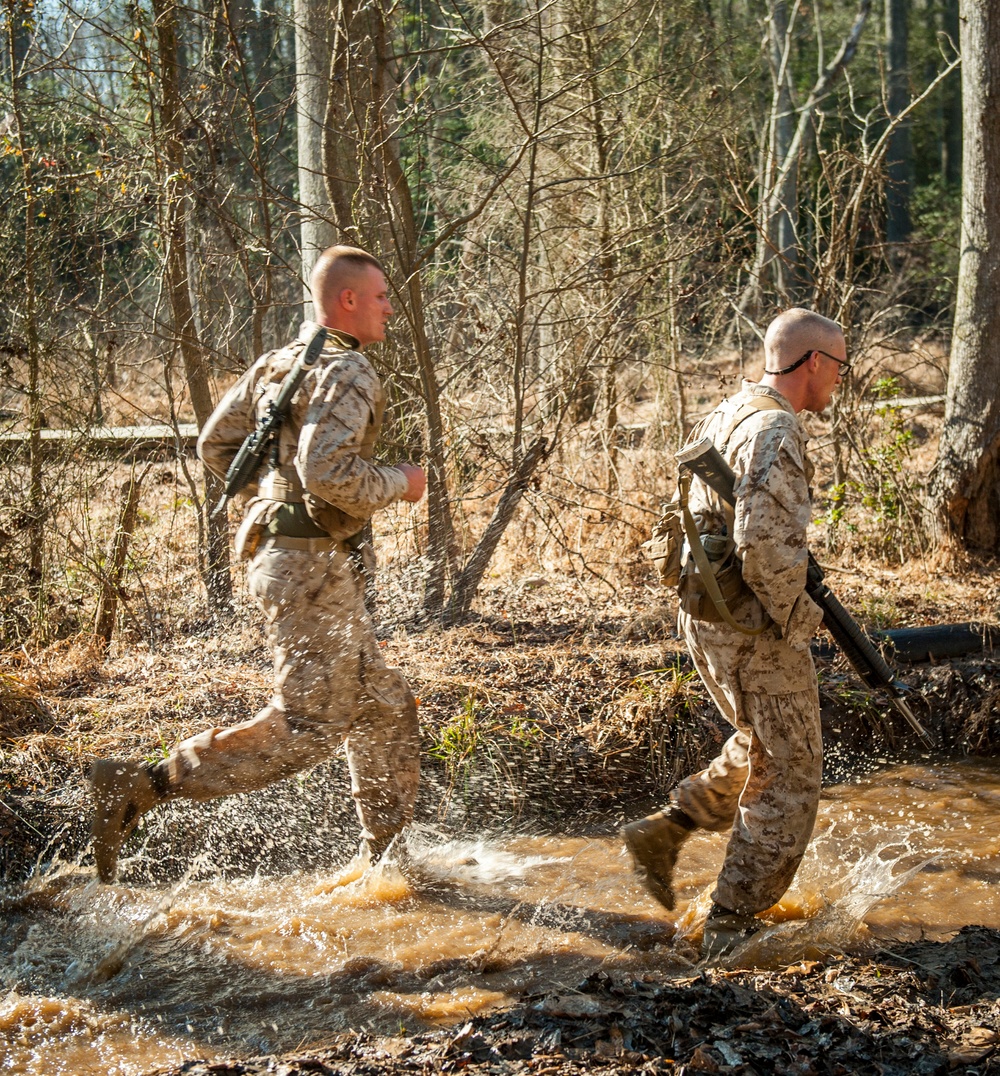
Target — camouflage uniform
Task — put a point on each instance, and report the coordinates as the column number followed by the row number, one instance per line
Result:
column 765, row 784
column 331, row 685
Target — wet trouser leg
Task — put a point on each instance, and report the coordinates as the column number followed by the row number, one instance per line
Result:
column 765, row 783
column 330, row 686
column 383, row 754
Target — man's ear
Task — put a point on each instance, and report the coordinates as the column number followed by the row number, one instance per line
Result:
column 347, row 298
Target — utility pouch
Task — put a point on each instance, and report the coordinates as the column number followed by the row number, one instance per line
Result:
column 712, row 582
column 707, row 589
column 696, row 601
column 666, row 543
column 250, row 532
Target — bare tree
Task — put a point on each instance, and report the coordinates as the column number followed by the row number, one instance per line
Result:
column 899, row 164
column 174, row 204
column 532, row 240
column 313, row 27
column 17, row 48
column 785, row 148
column 967, row 472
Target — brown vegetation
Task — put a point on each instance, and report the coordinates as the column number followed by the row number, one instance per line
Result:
column 568, row 672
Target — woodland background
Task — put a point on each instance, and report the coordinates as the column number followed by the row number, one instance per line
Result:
column 588, row 211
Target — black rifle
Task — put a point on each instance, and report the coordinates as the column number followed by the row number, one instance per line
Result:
column 704, row 460
column 247, row 461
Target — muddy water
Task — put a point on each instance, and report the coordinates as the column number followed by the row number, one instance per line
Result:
column 122, row 980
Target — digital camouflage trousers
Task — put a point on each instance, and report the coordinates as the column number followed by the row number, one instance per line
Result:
column 331, row 687
column 764, row 786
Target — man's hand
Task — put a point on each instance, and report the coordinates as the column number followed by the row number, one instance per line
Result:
column 416, row 481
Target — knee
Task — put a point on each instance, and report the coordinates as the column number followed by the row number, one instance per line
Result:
column 389, row 690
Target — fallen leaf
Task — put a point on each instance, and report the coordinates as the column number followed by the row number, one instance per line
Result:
column 702, row 1061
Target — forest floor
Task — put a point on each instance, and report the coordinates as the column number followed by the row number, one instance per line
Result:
column 924, row 1008
column 550, row 711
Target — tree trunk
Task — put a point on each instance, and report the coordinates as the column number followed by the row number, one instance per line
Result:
column 111, row 583
column 16, row 39
column 471, row 576
column 312, row 70
column 951, row 138
column 966, row 489
column 777, row 185
column 781, row 244
column 899, row 162
column 17, row 46
column 362, row 151
column 215, row 567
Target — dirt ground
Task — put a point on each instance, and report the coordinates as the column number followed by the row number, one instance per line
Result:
column 927, row 1008
column 520, row 712
column 545, row 692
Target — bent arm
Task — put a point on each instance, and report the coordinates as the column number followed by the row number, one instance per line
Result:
column 229, row 424
column 772, row 515
column 329, row 458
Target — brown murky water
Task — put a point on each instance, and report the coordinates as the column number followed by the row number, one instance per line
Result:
column 119, row 980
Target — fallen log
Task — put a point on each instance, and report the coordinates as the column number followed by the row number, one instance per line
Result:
column 937, row 641
column 136, row 440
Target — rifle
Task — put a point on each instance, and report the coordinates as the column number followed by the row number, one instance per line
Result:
column 704, row 459
column 251, row 453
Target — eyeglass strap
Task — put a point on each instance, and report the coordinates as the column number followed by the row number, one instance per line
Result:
column 795, row 365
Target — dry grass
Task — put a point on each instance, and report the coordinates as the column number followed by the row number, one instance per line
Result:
column 19, row 705
column 569, row 657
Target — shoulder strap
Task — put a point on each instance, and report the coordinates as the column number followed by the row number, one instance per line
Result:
column 745, row 410
column 705, row 571
column 753, row 406
column 707, row 575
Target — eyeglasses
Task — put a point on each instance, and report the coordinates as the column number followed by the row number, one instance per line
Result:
column 845, row 366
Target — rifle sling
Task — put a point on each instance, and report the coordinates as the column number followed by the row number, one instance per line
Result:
column 705, row 571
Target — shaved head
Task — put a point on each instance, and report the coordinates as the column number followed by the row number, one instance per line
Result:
column 805, row 357
column 797, row 331
column 338, row 268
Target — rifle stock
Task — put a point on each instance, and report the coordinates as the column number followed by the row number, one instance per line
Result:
column 704, row 460
column 248, row 459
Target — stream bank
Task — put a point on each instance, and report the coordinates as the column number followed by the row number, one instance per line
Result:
column 531, row 725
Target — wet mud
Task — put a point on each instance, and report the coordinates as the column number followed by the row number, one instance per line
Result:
column 618, row 747
column 525, row 953
column 926, row 1008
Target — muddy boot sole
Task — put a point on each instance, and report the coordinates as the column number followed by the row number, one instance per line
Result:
column 123, row 792
column 653, row 843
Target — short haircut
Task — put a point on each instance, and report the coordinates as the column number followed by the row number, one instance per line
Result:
column 335, row 269
column 796, row 331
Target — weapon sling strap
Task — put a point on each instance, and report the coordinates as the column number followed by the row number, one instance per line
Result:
column 705, row 571
column 281, row 481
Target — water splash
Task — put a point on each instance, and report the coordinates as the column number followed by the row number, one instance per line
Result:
column 206, row 949
column 826, row 914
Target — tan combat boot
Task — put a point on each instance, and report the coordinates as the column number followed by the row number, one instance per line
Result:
column 654, row 842
column 123, row 792
column 726, row 930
